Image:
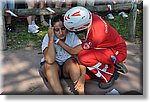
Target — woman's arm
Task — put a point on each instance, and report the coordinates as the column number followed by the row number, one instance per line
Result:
column 70, row 50
column 49, row 53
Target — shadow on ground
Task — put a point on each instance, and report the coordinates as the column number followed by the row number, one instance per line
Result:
column 20, row 73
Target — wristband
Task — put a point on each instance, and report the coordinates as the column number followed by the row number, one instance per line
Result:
column 50, row 42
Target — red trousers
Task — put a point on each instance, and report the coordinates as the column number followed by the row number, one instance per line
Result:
column 99, row 62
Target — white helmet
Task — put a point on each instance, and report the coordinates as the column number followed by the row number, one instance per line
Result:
column 77, row 19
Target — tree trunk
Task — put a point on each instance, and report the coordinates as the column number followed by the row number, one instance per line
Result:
column 132, row 23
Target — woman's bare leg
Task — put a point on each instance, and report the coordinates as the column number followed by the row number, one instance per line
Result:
column 72, row 69
column 52, row 74
column 31, row 4
column 42, row 19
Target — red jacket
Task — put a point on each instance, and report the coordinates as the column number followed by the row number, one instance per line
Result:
column 103, row 36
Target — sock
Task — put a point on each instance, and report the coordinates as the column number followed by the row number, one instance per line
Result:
column 29, row 26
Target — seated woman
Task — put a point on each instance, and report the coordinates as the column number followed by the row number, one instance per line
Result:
column 57, row 62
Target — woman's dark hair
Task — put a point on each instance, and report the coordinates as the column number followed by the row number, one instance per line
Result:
column 56, row 18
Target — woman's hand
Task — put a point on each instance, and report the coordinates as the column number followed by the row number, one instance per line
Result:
column 79, row 85
column 51, row 33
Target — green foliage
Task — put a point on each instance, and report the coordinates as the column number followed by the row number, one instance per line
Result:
column 120, row 24
column 22, row 38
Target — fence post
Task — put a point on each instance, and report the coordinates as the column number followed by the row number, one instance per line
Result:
column 132, row 22
column 3, row 43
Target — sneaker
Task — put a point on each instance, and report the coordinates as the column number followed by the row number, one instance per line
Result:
column 32, row 29
column 120, row 67
column 110, row 16
column 107, row 85
column 10, row 28
column 116, row 75
column 33, row 23
column 123, row 14
column 37, row 27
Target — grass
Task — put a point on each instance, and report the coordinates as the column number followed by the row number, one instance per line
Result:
column 121, row 26
column 22, row 38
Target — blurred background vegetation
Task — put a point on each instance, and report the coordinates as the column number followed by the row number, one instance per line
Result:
column 22, row 38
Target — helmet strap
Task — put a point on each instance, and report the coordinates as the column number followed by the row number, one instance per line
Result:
column 87, row 33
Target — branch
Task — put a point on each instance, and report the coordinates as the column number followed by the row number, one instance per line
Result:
column 44, row 11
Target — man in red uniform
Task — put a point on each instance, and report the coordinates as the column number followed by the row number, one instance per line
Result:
column 102, row 48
